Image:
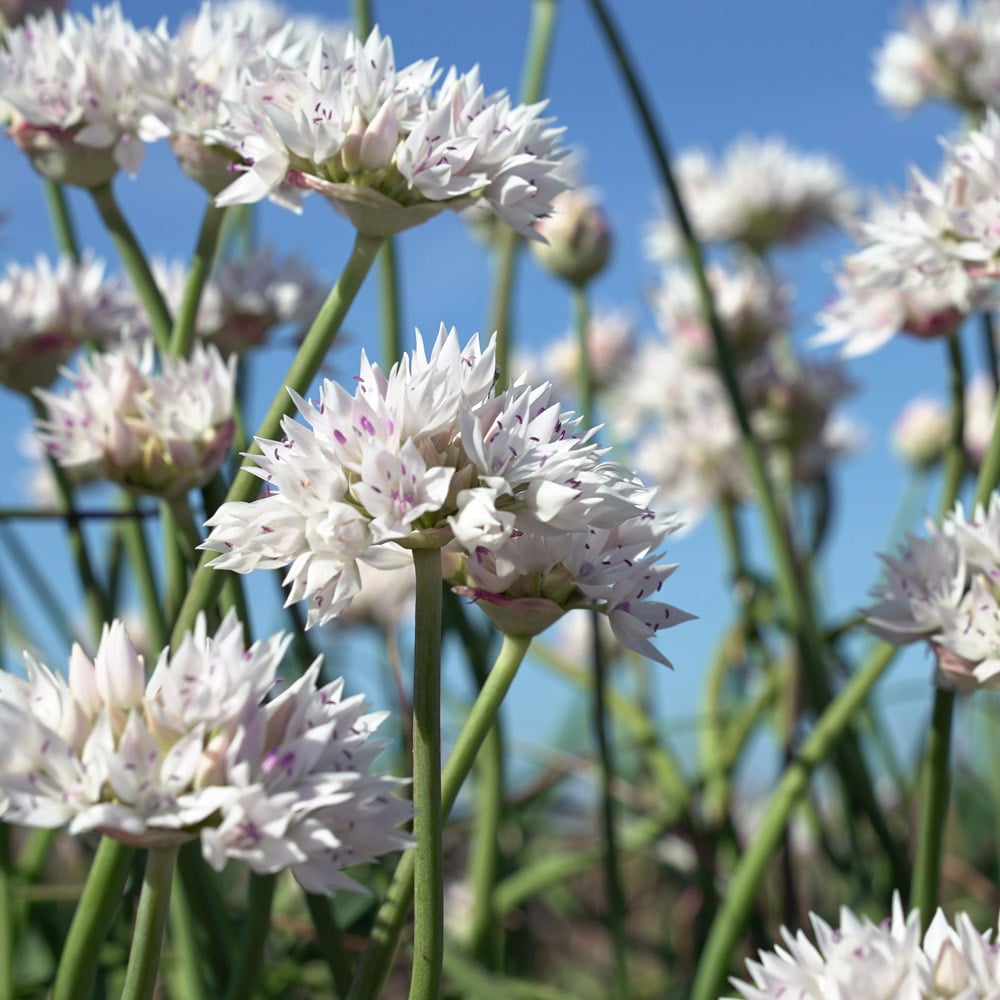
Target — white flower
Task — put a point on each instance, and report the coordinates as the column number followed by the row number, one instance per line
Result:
column 762, row 193
column 921, row 431
column 577, row 237
column 157, row 433
column 200, row 750
column 862, row 960
column 382, row 145
column 47, row 311
column 77, row 93
column 751, row 303
column 980, row 404
column 244, row 300
column 424, row 456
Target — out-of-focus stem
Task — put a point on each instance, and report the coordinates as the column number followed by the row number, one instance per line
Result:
column 150, row 923
column 62, row 220
column 182, row 335
column 246, row 975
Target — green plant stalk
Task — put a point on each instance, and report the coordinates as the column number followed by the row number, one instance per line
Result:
column 330, row 942
column 990, row 348
column 584, row 374
column 183, row 332
column 61, row 219
column 8, row 917
column 101, row 897
column 150, row 923
column 175, row 563
column 935, row 780
column 389, row 304
column 189, row 964
column 133, row 537
column 363, row 15
column 377, row 960
column 428, row 869
column 135, row 263
column 256, row 925
column 793, row 589
column 206, row 582
column 201, row 885
column 508, row 243
column 471, row 981
column 727, row 927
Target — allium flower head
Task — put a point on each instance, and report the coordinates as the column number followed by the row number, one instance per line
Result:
column 425, row 455
column 763, row 193
column 577, row 237
column 200, row 750
column 384, row 146
column 945, row 589
column 47, row 312
column 76, row 90
column 244, row 300
column 155, row 432
column 862, row 960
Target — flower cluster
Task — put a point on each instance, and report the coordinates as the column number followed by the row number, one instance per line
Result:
column 945, row 589
column 200, row 750
column 154, row 432
column 762, row 194
column 942, row 53
column 47, row 312
column 427, row 455
column 245, row 299
column 861, row 959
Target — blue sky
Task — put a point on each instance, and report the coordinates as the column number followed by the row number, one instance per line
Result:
column 716, row 71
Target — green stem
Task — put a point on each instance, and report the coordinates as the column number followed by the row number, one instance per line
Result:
column 133, row 536
column 581, row 321
column 185, row 322
column 189, row 964
column 363, row 19
column 330, row 941
column 428, row 871
column 200, row 884
column 389, row 305
column 612, row 871
column 954, row 456
column 990, row 348
column 150, row 923
column 738, row 900
column 135, row 263
column 377, row 960
column 508, row 243
column 8, row 917
column 61, row 219
column 246, row 980
column 101, row 897
column 935, row 786
column 206, row 582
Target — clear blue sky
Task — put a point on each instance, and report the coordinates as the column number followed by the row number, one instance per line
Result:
column 716, row 70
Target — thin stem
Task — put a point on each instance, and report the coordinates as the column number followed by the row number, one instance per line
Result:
column 200, row 884
column 61, row 219
column 738, row 901
column 612, row 871
column 101, row 897
column 954, row 456
column 257, row 924
column 150, row 923
column 133, row 537
column 330, row 941
column 377, row 960
column 135, row 263
column 206, row 582
column 389, row 304
column 990, row 348
column 8, row 917
column 585, row 377
column 363, row 19
column 189, row 964
column 182, row 336
column 428, row 872
column 508, row 243
column 935, row 785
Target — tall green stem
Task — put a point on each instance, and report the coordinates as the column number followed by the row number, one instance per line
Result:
column 389, row 305
column 133, row 536
column 728, row 925
column 62, row 221
column 246, row 980
column 954, row 456
column 101, row 896
column 428, row 871
column 206, row 582
column 329, row 940
column 508, row 243
column 135, row 263
column 182, row 335
column 377, row 960
column 150, row 923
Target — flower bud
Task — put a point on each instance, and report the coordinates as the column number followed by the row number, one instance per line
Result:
column 920, row 434
column 578, row 238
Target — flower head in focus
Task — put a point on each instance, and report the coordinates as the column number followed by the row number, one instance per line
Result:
column 385, row 147
column 203, row 749
column 426, row 455
column 76, row 93
column 154, row 432
column 868, row 961
column 945, row 589
column 762, row 193
column 47, row 312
